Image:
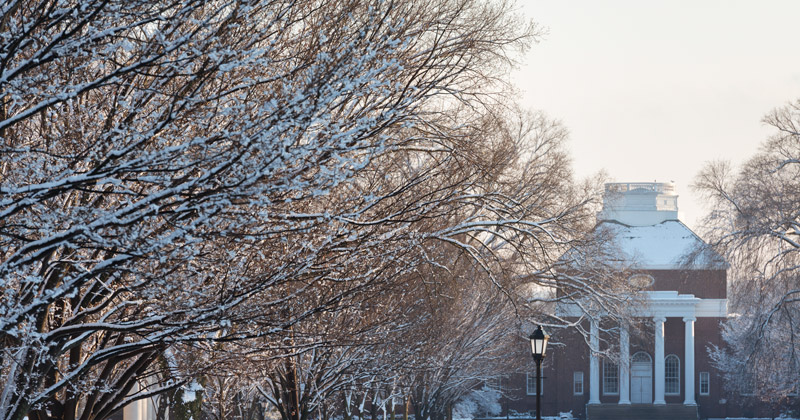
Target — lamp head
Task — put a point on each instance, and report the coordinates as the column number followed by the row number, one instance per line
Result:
column 539, row 343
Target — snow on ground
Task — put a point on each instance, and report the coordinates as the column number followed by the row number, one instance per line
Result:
column 521, row 416
column 757, row 418
column 760, row 418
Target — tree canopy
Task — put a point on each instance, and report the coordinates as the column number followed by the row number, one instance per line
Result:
column 755, row 222
column 186, row 180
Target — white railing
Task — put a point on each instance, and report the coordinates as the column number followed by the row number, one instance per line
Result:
column 659, row 187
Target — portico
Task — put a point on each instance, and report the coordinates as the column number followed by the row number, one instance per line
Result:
column 660, row 306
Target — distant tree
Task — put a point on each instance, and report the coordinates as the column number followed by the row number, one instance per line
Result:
column 755, row 222
column 472, row 339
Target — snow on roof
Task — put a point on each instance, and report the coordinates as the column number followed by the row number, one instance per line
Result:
column 666, row 245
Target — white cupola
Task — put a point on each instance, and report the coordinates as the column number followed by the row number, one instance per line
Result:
column 639, row 203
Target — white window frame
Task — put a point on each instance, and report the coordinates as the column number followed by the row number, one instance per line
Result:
column 677, row 376
column 749, row 388
column 606, row 365
column 701, row 377
column 530, row 379
column 577, row 378
column 493, row 383
column 794, row 392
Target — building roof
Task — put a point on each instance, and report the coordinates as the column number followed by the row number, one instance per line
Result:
column 666, row 245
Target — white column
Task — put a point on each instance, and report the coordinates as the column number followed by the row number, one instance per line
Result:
column 659, row 360
column 624, row 365
column 594, row 364
column 688, row 362
column 136, row 410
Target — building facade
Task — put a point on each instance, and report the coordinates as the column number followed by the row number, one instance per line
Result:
column 660, row 365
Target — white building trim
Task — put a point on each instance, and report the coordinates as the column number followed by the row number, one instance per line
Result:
column 667, row 304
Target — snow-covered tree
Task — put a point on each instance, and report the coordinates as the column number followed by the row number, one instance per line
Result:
column 185, row 181
column 755, row 221
column 466, row 335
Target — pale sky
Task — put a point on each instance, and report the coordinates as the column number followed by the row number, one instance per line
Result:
column 654, row 90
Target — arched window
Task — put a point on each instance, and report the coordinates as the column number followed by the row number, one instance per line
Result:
column 672, row 375
column 641, row 357
column 610, row 378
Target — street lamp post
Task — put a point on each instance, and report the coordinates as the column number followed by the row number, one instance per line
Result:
column 538, row 349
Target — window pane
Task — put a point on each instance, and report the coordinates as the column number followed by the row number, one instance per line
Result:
column 610, row 377
column 705, row 380
column 577, row 383
column 749, row 386
column 672, row 375
column 531, row 383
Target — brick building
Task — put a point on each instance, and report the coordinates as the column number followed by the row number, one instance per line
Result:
column 661, row 367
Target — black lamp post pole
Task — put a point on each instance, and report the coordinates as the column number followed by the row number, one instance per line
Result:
column 538, row 390
column 538, row 348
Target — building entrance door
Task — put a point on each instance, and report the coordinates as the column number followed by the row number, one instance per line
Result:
column 641, row 378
